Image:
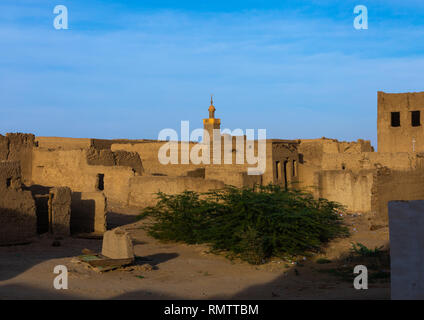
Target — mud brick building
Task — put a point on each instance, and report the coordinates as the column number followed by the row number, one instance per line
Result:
column 100, row 173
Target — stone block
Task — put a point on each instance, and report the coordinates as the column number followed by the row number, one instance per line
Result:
column 117, row 244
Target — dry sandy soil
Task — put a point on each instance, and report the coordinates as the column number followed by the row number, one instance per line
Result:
column 181, row 271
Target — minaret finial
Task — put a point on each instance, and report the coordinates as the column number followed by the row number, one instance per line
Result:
column 211, row 109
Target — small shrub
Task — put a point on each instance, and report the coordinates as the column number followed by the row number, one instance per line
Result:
column 376, row 260
column 323, row 261
column 253, row 224
column 363, row 251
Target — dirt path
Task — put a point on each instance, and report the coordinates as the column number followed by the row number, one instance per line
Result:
column 181, row 272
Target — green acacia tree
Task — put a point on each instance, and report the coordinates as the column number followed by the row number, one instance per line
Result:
column 253, row 224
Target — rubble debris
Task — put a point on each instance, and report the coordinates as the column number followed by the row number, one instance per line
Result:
column 143, row 267
column 117, row 252
column 87, row 252
column 100, row 263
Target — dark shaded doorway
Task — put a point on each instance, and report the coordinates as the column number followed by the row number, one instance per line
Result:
column 277, row 170
column 100, row 182
column 285, row 174
column 42, row 212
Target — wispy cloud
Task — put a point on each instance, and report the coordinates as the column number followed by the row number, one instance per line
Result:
column 127, row 73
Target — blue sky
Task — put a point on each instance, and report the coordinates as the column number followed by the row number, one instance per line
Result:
column 127, row 69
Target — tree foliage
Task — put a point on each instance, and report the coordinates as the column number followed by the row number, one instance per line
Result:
column 251, row 223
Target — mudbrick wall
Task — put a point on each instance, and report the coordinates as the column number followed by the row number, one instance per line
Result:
column 350, row 188
column 276, row 150
column 313, row 150
column 106, row 157
column 372, row 160
column 61, row 210
column 143, row 189
column 369, row 190
column 88, row 212
column 402, row 136
column 316, row 155
column 281, row 163
column 85, row 165
column 18, row 220
column 392, row 185
column 18, row 147
column 69, row 168
column 128, row 172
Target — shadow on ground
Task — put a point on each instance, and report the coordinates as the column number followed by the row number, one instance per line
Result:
column 15, row 260
column 296, row 283
column 156, row 259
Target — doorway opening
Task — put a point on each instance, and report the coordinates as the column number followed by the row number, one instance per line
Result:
column 277, row 170
column 100, row 184
column 285, row 174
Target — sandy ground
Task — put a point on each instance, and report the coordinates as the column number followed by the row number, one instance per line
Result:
column 180, row 271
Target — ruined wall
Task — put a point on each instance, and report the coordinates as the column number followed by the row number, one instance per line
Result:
column 370, row 190
column 59, row 143
column 79, row 143
column 281, row 163
column 79, row 168
column 231, row 176
column 69, row 168
column 4, row 148
column 18, row 221
column 276, row 150
column 316, row 155
column 149, row 151
column 98, row 151
column 18, row 147
column 107, row 143
column 399, row 138
column 107, row 165
column 197, row 173
column 60, row 207
column 343, row 171
column 352, row 189
column 392, row 185
column 372, row 160
column 106, row 157
column 314, row 148
column 143, row 189
column 321, row 158
column 88, row 212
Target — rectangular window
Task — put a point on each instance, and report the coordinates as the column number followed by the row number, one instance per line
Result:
column 415, row 119
column 8, row 182
column 395, row 119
